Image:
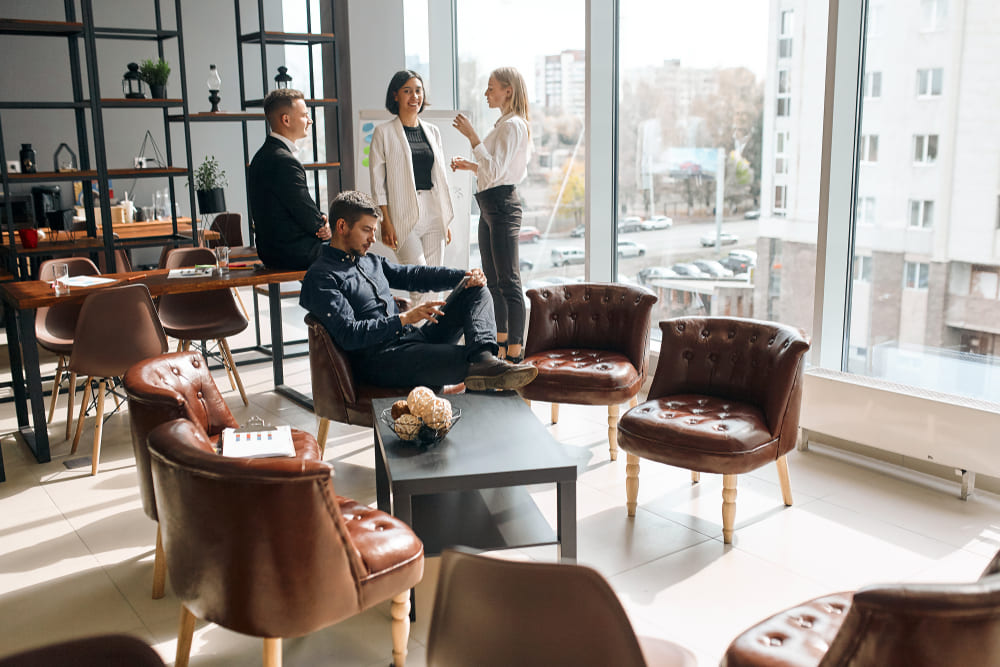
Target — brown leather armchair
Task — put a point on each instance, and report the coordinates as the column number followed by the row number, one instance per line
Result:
column 901, row 625
column 491, row 612
column 590, row 343
column 179, row 386
column 725, row 398
column 266, row 547
column 337, row 395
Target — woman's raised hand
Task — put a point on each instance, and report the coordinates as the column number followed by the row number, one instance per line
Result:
column 464, row 125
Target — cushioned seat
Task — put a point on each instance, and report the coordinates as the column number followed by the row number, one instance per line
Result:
column 724, row 399
column 266, row 547
column 172, row 386
column 590, row 343
column 892, row 625
column 100, row 651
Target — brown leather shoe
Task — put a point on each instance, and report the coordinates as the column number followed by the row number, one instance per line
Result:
column 498, row 374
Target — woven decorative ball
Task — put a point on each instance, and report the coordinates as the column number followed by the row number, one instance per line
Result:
column 407, row 426
column 400, row 408
column 419, row 400
column 439, row 413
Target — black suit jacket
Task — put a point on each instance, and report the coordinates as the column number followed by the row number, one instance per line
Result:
column 285, row 216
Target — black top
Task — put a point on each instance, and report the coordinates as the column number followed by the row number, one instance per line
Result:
column 423, row 157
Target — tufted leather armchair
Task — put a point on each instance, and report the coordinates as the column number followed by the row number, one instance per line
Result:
column 266, row 547
column 492, row 612
column 725, row 398
column 590, row 343
column 901, row 625
column 337, row 395
column 174, row 386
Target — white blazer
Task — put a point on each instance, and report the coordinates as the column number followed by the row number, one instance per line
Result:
column 391, row 169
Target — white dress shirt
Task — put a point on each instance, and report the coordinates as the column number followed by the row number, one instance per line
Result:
column 503, row 155
column 292, row 146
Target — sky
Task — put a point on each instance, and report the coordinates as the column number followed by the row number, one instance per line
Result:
column 701, row 33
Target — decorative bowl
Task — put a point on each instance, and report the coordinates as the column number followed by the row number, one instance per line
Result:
column 425, row 434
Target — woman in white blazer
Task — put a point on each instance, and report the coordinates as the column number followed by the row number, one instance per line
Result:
column 408, row 179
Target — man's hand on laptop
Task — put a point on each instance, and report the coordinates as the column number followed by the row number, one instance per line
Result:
column 429, row 310
column 476, row 278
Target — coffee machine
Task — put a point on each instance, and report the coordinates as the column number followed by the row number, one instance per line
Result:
column 45, row 198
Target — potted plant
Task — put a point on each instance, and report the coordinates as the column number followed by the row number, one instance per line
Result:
column 209, row 181
column 155, row 74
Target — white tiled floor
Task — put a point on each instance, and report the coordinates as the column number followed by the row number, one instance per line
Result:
column 76, row 551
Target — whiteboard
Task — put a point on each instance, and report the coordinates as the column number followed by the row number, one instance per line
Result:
column 460, row 183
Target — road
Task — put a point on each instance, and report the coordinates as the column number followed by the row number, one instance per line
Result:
column 664, row 247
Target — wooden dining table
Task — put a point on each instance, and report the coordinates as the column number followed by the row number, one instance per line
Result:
column 21, row 300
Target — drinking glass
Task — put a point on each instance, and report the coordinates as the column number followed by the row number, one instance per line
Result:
column 222, row 256
column 59, row 273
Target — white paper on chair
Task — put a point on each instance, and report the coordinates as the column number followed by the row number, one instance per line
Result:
column 275, row 441
column 85, row 281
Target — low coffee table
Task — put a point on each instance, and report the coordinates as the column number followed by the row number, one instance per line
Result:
column 468, row 489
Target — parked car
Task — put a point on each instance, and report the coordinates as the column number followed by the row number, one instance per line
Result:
column 752, row 215
column 688, row 270
column 566, row 256
column 713, row 268
column 740, row 261
column 525, row 264
column 631, row 249
column 579, row 231
column 651, row 273
column 657, row 222
column 632, row 223
column 529, row 235
column 725, row 238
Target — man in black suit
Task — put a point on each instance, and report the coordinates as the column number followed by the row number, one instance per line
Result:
column 289, row 227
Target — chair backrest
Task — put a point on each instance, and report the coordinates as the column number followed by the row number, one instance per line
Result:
column 59, row 322
column 258, row 546
column 230, row 228
column 213, row 305
column 97, row 651
column 117, row 328
column 922, row 625
column 335, row 393
column 178, row 258
column 491, row 612
column 591, row 316
column 164, row 388
column 756, row 362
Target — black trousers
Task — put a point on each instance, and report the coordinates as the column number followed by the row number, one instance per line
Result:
column 430, row 354
column 499, row 228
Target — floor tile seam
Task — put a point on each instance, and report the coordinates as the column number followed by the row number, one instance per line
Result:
column 610, row 575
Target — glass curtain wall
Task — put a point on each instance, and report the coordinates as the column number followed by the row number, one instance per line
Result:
column 925, row 303
column 544, row 40
column 721, row 109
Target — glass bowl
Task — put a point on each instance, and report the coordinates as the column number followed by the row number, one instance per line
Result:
column 426, row 434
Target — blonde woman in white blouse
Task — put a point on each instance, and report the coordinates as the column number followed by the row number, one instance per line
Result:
column 408, row 178
column 501, row 162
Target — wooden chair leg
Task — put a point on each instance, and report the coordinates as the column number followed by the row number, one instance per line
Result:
column 83, row 413
column 227, row 367
column 98, row 426
column 631, row 482
column 184, row 636
column 112, row 384
column 69, row 405
column 400, row 611
column 634, row 401
column 555, row 413
column 239, row 300
column 55, row 386
column 321, row 435
column 786, row 485
column 695, row 476
column 236, row 374
column 272, row 651
column 159, row 567
column 613, row 431
column 180, row 346
column 728, row 507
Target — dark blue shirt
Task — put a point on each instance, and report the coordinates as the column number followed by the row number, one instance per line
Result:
column 350, row 295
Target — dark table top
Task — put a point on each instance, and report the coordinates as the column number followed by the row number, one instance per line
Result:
column 497, row 442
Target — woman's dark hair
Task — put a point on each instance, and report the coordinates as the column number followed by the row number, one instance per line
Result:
column 398, row 80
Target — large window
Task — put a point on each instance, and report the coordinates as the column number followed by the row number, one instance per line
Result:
column 930, row 82
column 544, row 40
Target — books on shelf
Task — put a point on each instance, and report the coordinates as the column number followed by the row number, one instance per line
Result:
column 258, row 442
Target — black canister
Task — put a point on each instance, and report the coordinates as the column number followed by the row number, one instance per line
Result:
column 27, row 159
